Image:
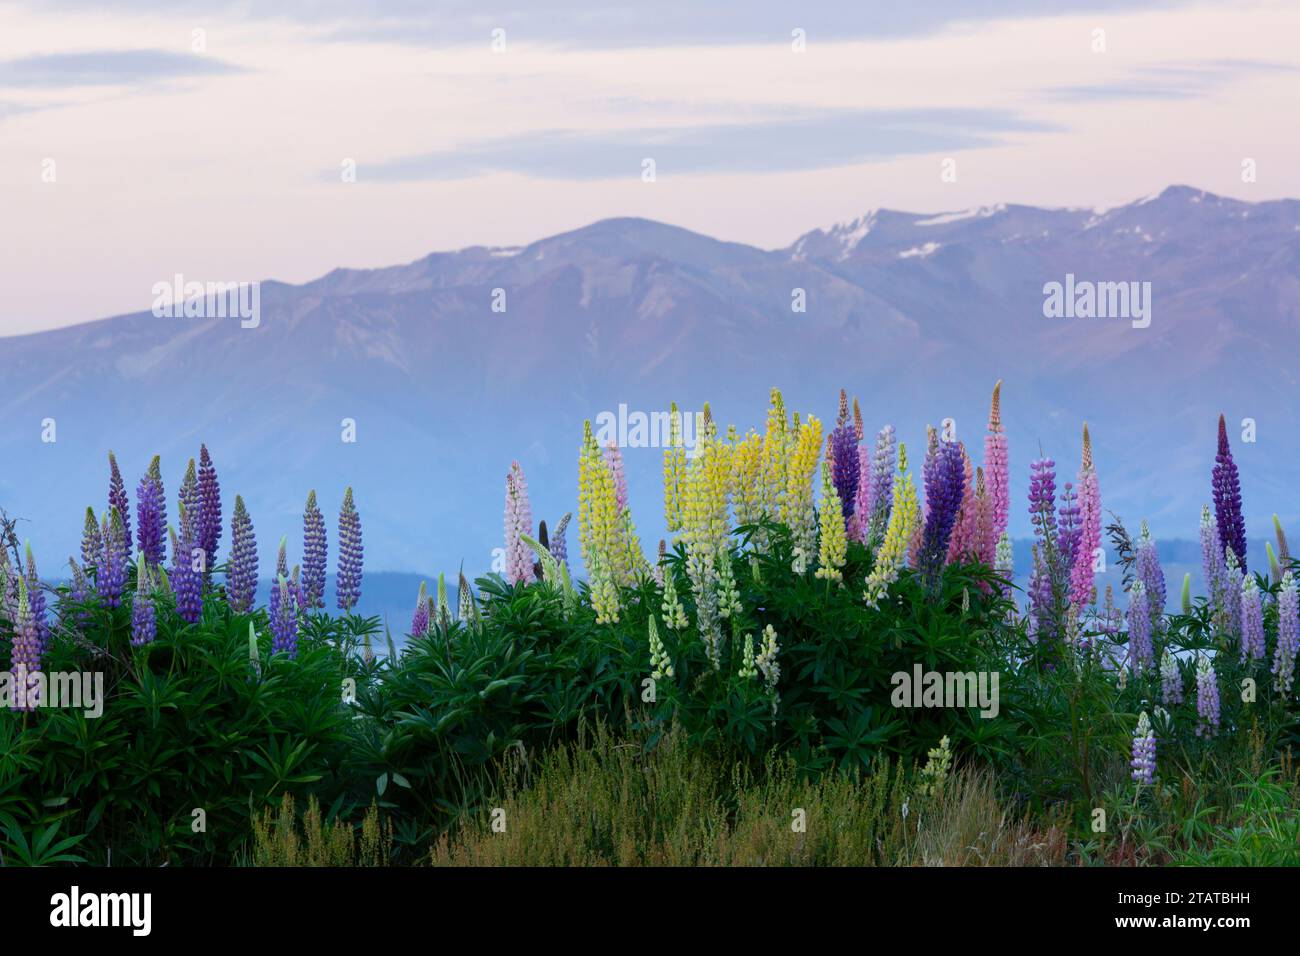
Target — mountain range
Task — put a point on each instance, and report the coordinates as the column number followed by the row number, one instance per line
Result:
column 453, row 366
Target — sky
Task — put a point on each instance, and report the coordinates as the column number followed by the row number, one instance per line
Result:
column 218, row 141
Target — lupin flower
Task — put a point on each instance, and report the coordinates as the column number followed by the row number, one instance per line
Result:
column 1252, row 620
column 348, row 580
column 1274, row 568
column 284, row 621
column 661, row 665
column 444, row 606
column 883, row 466
column 614, row 459
column 1207, row 699
column 559, row 548
column 420, row 619
column 674, row 471
column 314, row 554
column 1144, row 751
column 1227, row 499
column 844, row 453
column 1150, row 572
column 209, row 530
column 1211, row 557
column 1070, row 532
column 1171, row 680
column 1141, row 653
column 190, row 496
column 466, row 608
column 241, row 570
column 1005, row 563
column 151, row 521
column 833, row 542
column 943, row 498
column 26, row 653
column 777, row 441
column 518, row 521
column 79, row 589
column 92, row 542
column 1234, row 579
column 1283, row 549
column 963, row 545
column 117, row 497
column 144, row 622
column 187, row 580
column 748, row 669
column 798, row 514
column 1082, row 574
column 1288, row 634
column 996, row 464
column 766, row 660
column 36, row 599
column 111, row 578
column 893, row 550
column 674, row 614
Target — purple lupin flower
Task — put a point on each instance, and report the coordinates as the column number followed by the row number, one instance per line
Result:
column 558, row 546
column 190, row 497
column 844, row 457
column 1207, row 699
column 154, row 472
column 1144, row 751
column 518, row 521
column 151, row 521
column 1227, row 499
column 420, row 619
column 348, row 580
column 111, row 578
column 1234, row 579
column 144, row 622
column 25, row 657
column 117, row 497
column 1288, row 634
column 209, row 530
column 1252, row 621
column 36, row 598
column 943, row 496
column 8, row 588
column 1151, row 574
column 1171, row 680
column 1071, row 527
column 186, row 579
column 1140, row 651
column 92, row 542
column 314, row 552
column 284, row 620
column 241, row 570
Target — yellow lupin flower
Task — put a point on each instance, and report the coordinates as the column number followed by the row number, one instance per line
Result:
column 602, row 532
column 902, row 522
column 776, row 450
column 834, row 542
column 797, row 512
column 674, row 471
column 747, row 479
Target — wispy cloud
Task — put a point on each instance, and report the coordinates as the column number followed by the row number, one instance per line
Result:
column 106, row 68
column 1170, row 82
column 811, row 142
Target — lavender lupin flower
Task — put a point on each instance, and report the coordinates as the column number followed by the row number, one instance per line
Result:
column 186, row 580
column 1071, row 526
column 151, row 521
column 1227, row 499
column 1144, row 751
column 92, row 542
column 1252, row 621
column 190, row 497
column 519, row 521
column 1211, row 557
column 1207, row 699
column 559, row 548
column 284, row 620
column 844, row 456
column 1140, row 651
column 1234, row 579
column 1288, row 634
column 314, row 553
column 614, row 461
column 111, row 578
column 348, row 580
column 1151, row 574
column 420, row 619
column 882, row 480
column 209, row 530
column 241, row 570
column 144, row 622
column 117, row 497
column 25, row 657
column 1171, row 680
column 36, row 599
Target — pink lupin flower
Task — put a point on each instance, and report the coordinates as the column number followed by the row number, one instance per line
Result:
column 1089, row 504
column 997, row 473
column 519, row 521
column 963, row 545
column 614, row 459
